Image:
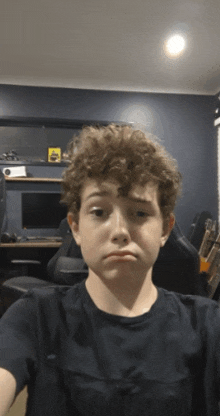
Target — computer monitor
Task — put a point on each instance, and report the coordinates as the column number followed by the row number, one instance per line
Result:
column 42, row 210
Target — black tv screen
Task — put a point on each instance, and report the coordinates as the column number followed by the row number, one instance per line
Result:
column 42, row 210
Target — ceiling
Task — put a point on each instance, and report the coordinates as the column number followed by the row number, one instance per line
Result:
column 110, row 44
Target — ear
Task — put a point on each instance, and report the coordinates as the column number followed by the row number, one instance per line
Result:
column 168, row 226
column 74, row 226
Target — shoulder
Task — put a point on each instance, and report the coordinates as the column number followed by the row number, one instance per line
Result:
column 42, row 304
column 53, row 292
column 198, row 309
column 189, row 302
column 53, row 297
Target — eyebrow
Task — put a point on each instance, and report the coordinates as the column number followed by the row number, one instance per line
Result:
column 139, row 200
column 98, row 193
column 131, row 198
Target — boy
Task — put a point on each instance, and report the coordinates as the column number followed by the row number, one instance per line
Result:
column 114, row 344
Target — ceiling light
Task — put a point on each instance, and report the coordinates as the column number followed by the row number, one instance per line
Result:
column 175, row 45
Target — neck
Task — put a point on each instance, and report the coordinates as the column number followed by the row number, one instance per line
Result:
column 122, row 298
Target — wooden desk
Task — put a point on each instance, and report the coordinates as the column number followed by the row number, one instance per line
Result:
column 34, row 243
column 31, row 179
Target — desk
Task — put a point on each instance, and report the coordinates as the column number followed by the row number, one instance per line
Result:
column 32, row 244
column 30, row 179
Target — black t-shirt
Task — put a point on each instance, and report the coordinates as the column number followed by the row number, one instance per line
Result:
column 78, row 360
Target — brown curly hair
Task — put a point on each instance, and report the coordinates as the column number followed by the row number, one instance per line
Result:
column 121, row 153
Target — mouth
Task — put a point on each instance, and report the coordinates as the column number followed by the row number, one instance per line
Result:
column 121, row 254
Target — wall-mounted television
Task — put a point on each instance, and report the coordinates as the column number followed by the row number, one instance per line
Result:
column 42, row 210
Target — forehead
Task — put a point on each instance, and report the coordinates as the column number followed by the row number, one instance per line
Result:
column 94, row 188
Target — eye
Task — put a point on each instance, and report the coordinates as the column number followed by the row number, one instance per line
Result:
column 138, row 215
column 142, row 214
column 97, row 212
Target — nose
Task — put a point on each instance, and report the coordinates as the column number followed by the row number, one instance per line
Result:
column 119, row 228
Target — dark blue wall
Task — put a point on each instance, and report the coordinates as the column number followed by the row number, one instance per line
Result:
column 184, row 123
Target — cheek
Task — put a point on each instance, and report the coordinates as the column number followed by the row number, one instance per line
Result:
column 96, row 232
column 149, row 239
column 91, row 241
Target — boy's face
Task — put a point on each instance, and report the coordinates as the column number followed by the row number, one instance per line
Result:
column 119, row 236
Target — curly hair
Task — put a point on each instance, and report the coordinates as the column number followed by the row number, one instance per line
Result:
column 123, row 154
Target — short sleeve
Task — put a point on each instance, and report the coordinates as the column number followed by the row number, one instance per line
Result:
column 18, row 340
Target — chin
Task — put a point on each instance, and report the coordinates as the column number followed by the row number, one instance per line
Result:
column 123, row 271
column 123, row 275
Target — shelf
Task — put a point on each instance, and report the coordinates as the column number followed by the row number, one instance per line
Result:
column 27, row 179
column 33, row 163
column 62, row 123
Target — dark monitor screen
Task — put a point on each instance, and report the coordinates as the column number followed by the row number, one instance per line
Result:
column 42, row 210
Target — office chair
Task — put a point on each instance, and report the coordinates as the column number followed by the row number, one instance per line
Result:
column 178, row 266
column 69, row 271
column 62, row 270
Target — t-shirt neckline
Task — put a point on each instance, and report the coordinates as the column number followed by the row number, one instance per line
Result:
column 88, row 302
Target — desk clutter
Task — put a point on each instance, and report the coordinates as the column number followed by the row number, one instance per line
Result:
column 8, row 238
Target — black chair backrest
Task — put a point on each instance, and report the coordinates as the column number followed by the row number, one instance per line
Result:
column 69, row 271
column 177, row 266
column 69, row 249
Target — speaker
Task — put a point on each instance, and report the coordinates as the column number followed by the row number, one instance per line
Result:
column 14, row 172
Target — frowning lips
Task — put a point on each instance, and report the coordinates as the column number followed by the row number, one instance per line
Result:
column 121, row 253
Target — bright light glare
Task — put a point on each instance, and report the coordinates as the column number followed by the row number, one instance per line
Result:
column 175, row 45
